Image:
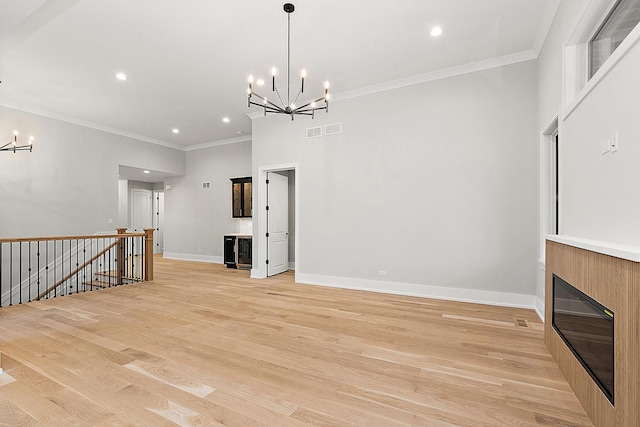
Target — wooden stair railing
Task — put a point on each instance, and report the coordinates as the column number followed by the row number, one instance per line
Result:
column 28, row 263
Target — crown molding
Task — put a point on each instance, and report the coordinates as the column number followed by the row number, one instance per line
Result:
column 473, row 67
column 446, row 73
column 243, row 138
column 87, row 124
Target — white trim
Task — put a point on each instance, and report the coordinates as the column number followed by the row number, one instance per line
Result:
column 87, row 124
column 425, row 291
column 194, row 257
column 629, row 42
column 546, row 174
column 244, row 138
column 260, row 219
column 437, row 75
column 256, row 273
column 292, row 265
column 469, row 68
column 628, row 252
column 91, row 125
column 539, row 309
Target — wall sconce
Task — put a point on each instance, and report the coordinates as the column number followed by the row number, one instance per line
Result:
column 13, row 145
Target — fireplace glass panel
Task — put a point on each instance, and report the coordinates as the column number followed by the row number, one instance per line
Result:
column 586, row 326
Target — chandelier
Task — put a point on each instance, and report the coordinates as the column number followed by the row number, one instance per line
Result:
column 290, row 108
column 13, row 145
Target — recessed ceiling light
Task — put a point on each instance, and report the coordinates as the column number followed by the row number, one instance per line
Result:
column 260, row 82
column 175, row 130
column 121, row 76
column 226, row 119
column 436, row 31
column 146, row 172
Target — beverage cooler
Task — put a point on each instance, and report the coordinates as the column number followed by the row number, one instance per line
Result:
column 237, row 251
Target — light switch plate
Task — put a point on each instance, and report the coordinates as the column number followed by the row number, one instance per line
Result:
column 615, row 146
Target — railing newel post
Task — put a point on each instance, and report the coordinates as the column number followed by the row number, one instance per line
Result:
column 148, row 254
column 121, row 255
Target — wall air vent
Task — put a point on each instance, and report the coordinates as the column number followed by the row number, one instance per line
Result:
column 333, row 128
column 314, row 132
column 206, row 185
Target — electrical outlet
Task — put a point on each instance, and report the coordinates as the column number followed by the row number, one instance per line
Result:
column 615, row 145
column 382, row 273
column 606, row 146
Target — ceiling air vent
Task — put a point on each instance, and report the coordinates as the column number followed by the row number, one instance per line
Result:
column 206, row 185
column 332, row 129
column 314, row 132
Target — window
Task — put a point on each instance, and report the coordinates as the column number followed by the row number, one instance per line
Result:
column 622, row 19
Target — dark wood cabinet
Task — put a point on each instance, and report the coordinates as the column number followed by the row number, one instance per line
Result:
column 241, row 197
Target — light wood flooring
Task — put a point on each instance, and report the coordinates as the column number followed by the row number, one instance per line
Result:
column 207, row 346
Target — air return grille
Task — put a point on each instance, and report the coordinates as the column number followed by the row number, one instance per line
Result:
column 314, row 132
column 333, row 128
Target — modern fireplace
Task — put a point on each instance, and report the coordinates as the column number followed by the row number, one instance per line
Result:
column 586, row 327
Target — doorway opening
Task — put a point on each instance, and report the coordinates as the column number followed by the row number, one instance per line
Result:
column 275, row 245
column 550, row 206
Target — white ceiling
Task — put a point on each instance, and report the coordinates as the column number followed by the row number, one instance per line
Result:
column 187, row 61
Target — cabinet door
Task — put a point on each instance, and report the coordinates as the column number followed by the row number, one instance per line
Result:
column 241, row 197
column 237, row 199
column 247, row 199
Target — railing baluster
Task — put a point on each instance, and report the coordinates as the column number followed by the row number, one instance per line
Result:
column 55, row 270
column 20, row 272
column 29, row 270
column 38, row 264
column 10, row 274
column 1, row 258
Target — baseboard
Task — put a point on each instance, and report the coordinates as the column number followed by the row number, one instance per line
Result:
column 505, row 299
column 257, row 274
column 193, row 257
column 540, row 308
column 292, row 265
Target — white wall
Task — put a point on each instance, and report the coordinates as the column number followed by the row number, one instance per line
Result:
column 600, row 193
column 196, row 219
column 434, row 184
column 69, row 184
column 549, row 102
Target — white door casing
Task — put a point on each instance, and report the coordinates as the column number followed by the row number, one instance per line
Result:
column 278, row 223
column 141, row 213
column 158, row 222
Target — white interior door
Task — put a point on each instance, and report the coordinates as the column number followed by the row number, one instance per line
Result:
column 158, row 221
column 277, row 223
column 141, row 209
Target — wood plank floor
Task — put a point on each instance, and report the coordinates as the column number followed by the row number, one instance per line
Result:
column 206, row 346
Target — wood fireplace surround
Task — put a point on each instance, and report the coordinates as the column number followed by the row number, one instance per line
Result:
column 610, row 274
